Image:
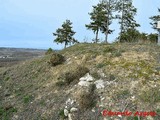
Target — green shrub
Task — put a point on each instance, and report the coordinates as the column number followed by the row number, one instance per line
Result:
column 87, row 99
column 56, row 59
column 100, row 65
column 116, row 54
column 70, row 76
column 27, row 98
column 60, row 83
column 109, row 49
column 6, row 111
column 49, row 51
column 7, row 78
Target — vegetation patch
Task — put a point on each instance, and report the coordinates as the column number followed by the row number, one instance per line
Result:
column 100, row 65
column 27, row 98
column 5, row 112
column 49, row 51
column 87, row 99
column 70, row 76
column 56, row 59
column 61, row 114
column 109, row 49
column 150, row 95
column 122, row 94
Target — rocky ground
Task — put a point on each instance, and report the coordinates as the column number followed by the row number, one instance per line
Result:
column 90, row 82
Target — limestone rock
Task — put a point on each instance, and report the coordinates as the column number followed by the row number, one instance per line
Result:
column 87, row 77
column 84, row 83
column 99, row 84
column 66, row 112
column 73, row 109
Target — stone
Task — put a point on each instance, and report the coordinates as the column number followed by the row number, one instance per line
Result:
column 73, row 109
column 69, row 101
column 66, row 112
column 84, row 83
column 87, row 77
column 99, row 84
column 69, row 116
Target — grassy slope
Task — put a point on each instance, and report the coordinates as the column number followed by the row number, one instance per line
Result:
column 28, row 90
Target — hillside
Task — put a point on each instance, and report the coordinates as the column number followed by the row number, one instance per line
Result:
column 92, row 77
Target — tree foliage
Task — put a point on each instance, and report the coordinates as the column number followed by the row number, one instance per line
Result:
column 155, row 19
column 99, row 19
column 65, row 34
column 131, row 35
column 110, row 9
column 127, row 20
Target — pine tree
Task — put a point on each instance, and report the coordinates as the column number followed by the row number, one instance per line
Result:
column 65, row 34
column 110, row 9
column 127, row 21
column 155, row 19
column 99, row 19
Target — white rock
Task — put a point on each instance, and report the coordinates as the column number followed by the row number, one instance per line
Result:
column 133, row 97
column 66, row 112
column 120, row 116
column 99, row 84
column 69, row 117
column 84, row 83
column 93, row 110
column 87, row 77
column 69, row 101
column 73, row 109
column 102, row 98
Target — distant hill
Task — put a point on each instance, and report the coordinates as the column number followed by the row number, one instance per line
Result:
column 10, row 56
column 92, row 77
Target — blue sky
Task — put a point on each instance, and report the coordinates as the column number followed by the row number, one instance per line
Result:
column 30, row 23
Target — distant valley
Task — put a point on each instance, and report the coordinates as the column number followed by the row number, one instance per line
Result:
column 11, row 56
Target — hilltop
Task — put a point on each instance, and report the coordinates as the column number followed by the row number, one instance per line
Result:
column 88, row 79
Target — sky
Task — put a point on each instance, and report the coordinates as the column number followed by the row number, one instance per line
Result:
column 30, row 23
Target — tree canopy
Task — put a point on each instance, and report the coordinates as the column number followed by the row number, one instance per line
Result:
column 65, row 34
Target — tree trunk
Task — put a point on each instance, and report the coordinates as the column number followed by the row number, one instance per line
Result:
column 122, row 27
column 107, row 26
column 65, row 44
column 96, row 40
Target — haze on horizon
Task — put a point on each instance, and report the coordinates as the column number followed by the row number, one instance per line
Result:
column 30, row 24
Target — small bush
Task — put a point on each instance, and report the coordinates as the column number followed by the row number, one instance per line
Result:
column 109, row 49
column 116, row 54
column 6, row 111
column 70, row 76
column 7, row 78
column 27, row 98
column 87, row 99
column 49, row 51
column 56, row 59
column 100, row 65
column 60, row 83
